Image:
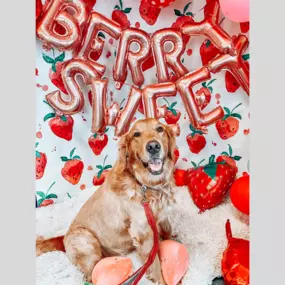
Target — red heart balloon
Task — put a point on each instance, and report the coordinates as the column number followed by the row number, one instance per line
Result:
column 235, row 262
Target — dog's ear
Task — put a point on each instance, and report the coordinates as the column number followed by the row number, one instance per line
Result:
column 122, row 154
column 171, row 133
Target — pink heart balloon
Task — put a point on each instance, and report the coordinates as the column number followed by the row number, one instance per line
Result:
column 174, row 260
column 235, row 10
column 112, row 271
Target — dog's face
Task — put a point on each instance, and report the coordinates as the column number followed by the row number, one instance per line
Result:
column 148, row 152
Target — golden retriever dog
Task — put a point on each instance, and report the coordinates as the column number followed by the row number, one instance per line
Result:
column 113, row 222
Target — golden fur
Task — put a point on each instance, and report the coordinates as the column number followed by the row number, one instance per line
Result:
column 112, row 222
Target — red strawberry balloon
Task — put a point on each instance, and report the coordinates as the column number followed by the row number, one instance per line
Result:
column 160, row 3
column 209, row 184
column 235, row 262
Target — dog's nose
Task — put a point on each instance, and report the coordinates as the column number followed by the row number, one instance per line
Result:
column 153, row 147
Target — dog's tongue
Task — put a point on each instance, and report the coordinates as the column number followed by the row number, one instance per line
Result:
column 155, row 165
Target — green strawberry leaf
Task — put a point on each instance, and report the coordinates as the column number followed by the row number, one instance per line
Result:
column 95, row 135
column 100, row 34
column 204, row 84
column 60, row 57
column 40, row 201
column 211, row 170
column 186, row 7
column 194, row 164
column 210, row 82
column 37, row 143
column 208, row 42
column 236, row 115
column 38, row 154
column 230, row 150
column 72, row 152
column 69, row 196
column 245, row 57
column 107, row 167
column 99, row 173
column 225, row 153
column 177, row 12
column 49, row 116
column 51, row 196
column 63, row 118
column 225, row 117
column 173, row 104
column 227, row 110
column 115, row 53
column 121, row 4
column 211, row 89
column 127, row 10
column 48, row 59
column 64, row 158
column 201, row 162
column 192, row 128
column 117, row 7
column 189, row 14
column 236, row 107
column 236, row 157
column 77, row 157
column 41, row 194
column 212, row 159
column 99, row 166
column 53, row 67
column 106, row 130
column 86, row 283
column 174, row 112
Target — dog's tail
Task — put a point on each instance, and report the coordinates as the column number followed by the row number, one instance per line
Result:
column 53, row 244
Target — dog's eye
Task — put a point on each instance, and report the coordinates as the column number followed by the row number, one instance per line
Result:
column 159, row 129
column 137, row 134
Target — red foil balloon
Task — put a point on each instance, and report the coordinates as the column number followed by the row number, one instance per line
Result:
column 150, row 95
column 69, row 72
column 234, row 62
column 39, row 7
column 55, row 13
column 133, row 59
column 235, row 262
column 104, row 116
column 210, row 28
column 185, row 87
column 172, row 58
column 91, row 46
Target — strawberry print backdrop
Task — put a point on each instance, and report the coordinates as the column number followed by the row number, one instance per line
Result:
column 69, row 158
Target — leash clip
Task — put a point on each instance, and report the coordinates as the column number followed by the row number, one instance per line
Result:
column 143, row 190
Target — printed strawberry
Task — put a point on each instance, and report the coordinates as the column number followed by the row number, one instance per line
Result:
column 97, row 142
column 61, row 126
column 228, row 126
column 41, row 162
column 179, row 177
column 208, row 52
column 172, row 115
column 209, row 184
column 244, row 27
column 148, row 12
column 100, row 177
column 203, row 95
column 46, row 198
column 176, row 155
column 73, row 168
column 119, row 15
column 55, row 71
column 183, row 19
column 231, row 83
column 229, row 158
column 196, row 141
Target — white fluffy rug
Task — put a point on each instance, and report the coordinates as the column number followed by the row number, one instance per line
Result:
column 203, row 234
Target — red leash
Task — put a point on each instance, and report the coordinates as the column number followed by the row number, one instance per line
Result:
column 136, row 277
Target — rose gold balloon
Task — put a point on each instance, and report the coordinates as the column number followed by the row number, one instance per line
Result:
column 174, row 260
column 210, row 28
column 104, row 116
column 69, row 71
column 133, row 59
column 92, row 45
column 234, row 63
column 150, row 95
column 112, row 270
column 171, row 58
column 56, row 13
column 185, row 87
